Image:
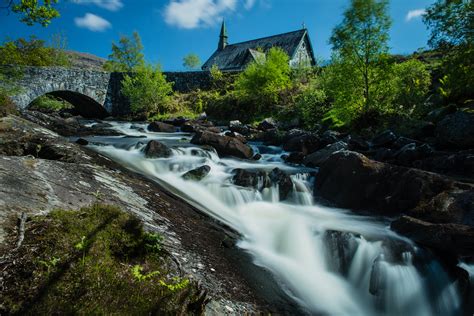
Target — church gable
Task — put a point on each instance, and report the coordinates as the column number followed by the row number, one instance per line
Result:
column 235, row 57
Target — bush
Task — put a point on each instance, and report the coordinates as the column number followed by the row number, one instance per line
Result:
column 412, row 82
column 263, row 80
column 312, row 104
column 148, row 91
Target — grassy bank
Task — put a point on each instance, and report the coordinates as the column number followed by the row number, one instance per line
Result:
column 97, row 260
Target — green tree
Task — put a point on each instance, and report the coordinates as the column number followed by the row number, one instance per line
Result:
column 191, row 61
column 33, row 11
column 412, row 81
column 360, row 42
column 127, row 55
column 148, row 90
column 265, row 78
column 452, row 23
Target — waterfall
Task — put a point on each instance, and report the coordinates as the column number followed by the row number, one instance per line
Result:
column 331, row 261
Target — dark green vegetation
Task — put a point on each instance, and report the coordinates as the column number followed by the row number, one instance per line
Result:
column 97, row 260
column 50, row 103
column 191, row 61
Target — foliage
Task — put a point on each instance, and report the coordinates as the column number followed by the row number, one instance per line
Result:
column 148, row 90
column 264, row 79
column 127, row 55
column 451, row 24
column 112, row 273
column 360, row 41
column 412, row 83
column 34, row 11
column 191, row 61
column 312, row 103
column 34, row 52
column 50, row 103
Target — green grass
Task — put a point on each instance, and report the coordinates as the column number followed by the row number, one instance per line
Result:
column 50, row 103
column 97, row 260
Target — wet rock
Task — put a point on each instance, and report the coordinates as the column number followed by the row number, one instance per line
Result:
column 156, row 149
column 403, row 141
column 197, row 174
column 456, row 130
column 460, row 164
column 224, row 145
column 251, row 179
column 341, row 247
column 238, row 136
column 238, row 127
column 351, row 180
column 273, row 137
column 267, row 124
column 383, row 154
column 317, row 158
column 384, row 139
column 453, row 239
column 177, row 121
column 330, row 137
column 305, row 143
column 295, row 157
column 257, row 157
column 101, row 125
column 161, row 127
column 411, row 152
column 357, row 143
column 285, row 185
column 82, row 141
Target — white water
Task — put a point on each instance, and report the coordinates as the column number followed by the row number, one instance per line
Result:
column 329, row 260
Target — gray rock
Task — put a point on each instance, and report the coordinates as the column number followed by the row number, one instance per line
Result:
column 384, row 139
column 161, row 127
column 456, row 130
column 317, row 158
column 224, row 145
column 156, row 149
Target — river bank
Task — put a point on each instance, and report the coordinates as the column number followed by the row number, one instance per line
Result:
column 41, row 171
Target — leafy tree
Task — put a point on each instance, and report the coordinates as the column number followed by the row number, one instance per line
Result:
column 191, row 61
column 33, row 11
column 452, row 23
column 412, row 81
column 148, row 90
column 265, row 78
column 360, row 42
column 312, row 103
column 127, row 55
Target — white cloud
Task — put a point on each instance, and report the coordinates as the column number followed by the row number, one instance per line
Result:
column 190, row 14
column 92, row 22
column 413, row 14
column 249, row 4
column 111, row 5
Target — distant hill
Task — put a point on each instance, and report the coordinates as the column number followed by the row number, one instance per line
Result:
column 85, row 60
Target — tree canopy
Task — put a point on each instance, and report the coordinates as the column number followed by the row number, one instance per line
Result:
column 127, row 55
column 191, row 61
column 33, row 11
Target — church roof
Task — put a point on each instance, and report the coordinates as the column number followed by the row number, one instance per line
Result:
column 235, row 56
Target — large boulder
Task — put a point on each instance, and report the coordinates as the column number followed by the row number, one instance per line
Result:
column 197, row 174
column 161, row 127
column 351, row 180
column 305, row 143
column 267, row 124
column 317, row 158
column 456, row 130
column 453, row 239
column 156, row 149
column 459, row 164
column 224, row 145
column 384, row 139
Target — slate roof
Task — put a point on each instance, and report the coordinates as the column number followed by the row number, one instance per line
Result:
column 236, row 56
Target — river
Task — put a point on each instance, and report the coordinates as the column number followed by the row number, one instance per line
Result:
column 330, row 261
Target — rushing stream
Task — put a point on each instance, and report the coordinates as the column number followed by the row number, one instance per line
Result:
column 330, row 261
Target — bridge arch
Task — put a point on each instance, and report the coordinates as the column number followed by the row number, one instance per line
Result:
column 82, row 104
column 88, row 91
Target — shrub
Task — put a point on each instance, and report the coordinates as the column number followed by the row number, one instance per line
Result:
column 148, row 91
column 263, row 80
column 412, row 82
column 312, row 104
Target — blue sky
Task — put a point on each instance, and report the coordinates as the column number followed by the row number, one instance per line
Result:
column 170, row 29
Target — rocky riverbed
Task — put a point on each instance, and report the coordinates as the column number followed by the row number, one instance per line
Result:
column 424, row 184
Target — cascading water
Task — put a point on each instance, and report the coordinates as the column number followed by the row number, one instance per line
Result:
column 329, row 260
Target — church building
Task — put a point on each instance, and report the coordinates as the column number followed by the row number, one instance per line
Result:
column 235, row 57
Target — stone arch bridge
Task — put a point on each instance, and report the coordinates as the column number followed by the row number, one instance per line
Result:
column 92, row 93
